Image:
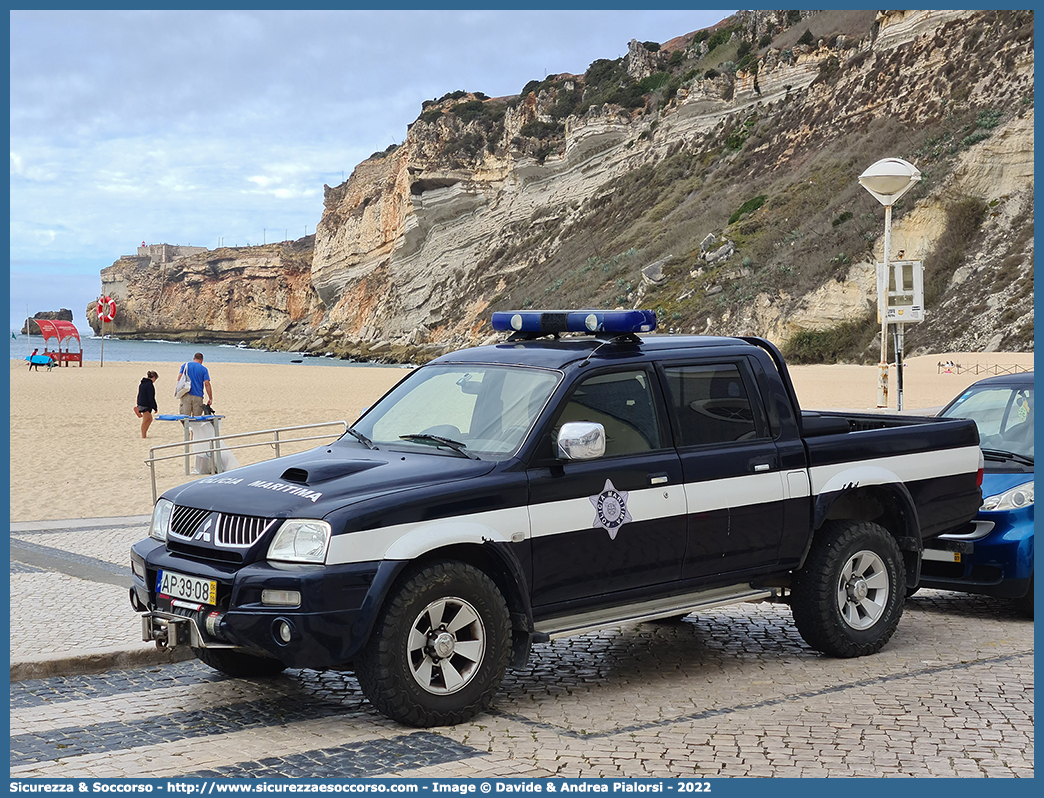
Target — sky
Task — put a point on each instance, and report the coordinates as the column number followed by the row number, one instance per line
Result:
column 220, row 128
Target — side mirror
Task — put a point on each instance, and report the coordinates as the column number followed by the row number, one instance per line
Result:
column 581, row 440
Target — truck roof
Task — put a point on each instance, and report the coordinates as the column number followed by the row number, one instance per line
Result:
column 558, row 353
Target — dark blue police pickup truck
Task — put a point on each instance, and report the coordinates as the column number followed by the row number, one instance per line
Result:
column 546, row 486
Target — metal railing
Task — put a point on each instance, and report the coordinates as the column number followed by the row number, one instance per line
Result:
column 988, row 368
column 219, row 443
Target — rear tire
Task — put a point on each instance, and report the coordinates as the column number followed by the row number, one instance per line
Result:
column 439, row 647
column 848, row 597
column 237, row 664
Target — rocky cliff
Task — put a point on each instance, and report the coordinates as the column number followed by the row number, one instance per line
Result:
column 712, row 177
column 227, row 294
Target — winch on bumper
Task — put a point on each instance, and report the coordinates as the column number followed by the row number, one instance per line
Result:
column 270, row 609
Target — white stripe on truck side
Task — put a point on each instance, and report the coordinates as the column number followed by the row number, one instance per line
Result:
column 514, row 524
column 899, row 468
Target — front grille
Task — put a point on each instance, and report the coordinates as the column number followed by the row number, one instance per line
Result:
column 203, row 553
column 229, row 530
column 942, row 570
column 988, row 574
column 241, row 531
column 184, row 520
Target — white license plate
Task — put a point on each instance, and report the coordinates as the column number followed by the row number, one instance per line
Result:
column 938, row 555
column 189, row 588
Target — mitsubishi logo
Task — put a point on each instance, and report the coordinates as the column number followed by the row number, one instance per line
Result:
column 203, row 533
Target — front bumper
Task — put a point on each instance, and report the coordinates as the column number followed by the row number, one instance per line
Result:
column 994, row 559
column 326, row 630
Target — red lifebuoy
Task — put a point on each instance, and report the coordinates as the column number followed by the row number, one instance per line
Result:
column 106, row 309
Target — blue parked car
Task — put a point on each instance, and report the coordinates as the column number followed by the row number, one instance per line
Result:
column 994, row 555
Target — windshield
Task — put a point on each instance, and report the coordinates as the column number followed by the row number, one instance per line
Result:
column 1003, row 414
column 470, row 410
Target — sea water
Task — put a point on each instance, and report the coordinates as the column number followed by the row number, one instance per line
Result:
column 146, row 352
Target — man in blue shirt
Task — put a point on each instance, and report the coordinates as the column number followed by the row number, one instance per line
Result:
column 192, row 402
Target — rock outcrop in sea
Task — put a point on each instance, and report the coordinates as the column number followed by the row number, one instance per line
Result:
column 32, row 328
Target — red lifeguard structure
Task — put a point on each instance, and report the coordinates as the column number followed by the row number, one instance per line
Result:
column 64, row 331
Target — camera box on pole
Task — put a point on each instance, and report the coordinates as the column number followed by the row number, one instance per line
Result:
column 903, row 290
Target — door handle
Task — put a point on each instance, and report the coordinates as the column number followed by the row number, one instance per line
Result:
column 659, row 479
column 761, row 467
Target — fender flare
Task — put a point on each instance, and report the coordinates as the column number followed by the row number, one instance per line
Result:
column 861, row 477
column 447, row 534
column 440, row 534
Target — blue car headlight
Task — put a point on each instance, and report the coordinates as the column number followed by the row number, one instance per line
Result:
column 1013, row 499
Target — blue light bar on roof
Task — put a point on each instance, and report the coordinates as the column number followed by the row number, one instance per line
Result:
column 546, row 322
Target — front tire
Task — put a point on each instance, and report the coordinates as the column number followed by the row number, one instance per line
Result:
column 439, row 648
column 848, row 597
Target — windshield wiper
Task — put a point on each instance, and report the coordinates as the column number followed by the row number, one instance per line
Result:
column 438, row 440
column 361, row 438
column 1000, row 454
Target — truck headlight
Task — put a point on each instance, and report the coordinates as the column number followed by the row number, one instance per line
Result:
column 161, row 519
column 301, row 540
column 1014, row 499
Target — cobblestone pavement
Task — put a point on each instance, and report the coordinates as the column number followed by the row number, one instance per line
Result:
column 729, row 692
column 69, row 593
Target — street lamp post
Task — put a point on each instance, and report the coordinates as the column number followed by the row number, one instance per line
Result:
column 887, row 179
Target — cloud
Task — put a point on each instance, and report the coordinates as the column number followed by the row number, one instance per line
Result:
column 200, row 127
column 51, row 286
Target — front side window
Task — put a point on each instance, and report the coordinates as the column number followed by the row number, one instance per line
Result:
column 711, row 404
column 487, row 409
column 622, row 402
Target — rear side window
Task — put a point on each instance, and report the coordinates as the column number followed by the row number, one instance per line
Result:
column 711, row 404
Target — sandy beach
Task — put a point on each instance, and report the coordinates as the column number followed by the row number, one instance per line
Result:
column 77, row 451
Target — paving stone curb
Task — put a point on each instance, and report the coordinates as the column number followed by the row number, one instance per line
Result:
column 95, row 661
column 79, row 523
column 75, row 662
